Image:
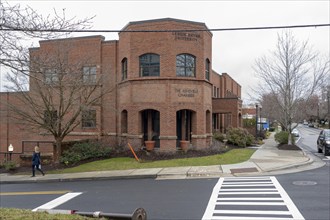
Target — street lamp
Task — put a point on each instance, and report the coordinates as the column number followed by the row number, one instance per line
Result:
column 256, row 120
column 10, row 150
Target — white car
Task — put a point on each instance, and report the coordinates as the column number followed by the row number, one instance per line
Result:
column 295, row 132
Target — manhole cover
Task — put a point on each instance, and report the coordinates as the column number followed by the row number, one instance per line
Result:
column 304, row 183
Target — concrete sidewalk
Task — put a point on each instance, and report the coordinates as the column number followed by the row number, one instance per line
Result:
column 267, row 160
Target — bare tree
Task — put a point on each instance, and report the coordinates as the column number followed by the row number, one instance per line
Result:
column 58, row 92
column 61, row 97
column 19, row 25
column 293, row 72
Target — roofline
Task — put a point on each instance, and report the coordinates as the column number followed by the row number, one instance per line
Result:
column 73, row 38
column 165, row 19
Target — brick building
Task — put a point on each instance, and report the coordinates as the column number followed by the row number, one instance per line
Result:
column 161, row 87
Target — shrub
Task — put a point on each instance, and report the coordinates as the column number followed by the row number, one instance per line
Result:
column 271, row 129
column 219, row 136
column 282, row 137
column 10, row 165
column 240, row 137
column 83, row 151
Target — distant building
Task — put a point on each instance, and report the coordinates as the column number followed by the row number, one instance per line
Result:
column 163, row 82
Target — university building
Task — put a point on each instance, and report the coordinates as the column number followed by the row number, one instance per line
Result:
column 160, row 82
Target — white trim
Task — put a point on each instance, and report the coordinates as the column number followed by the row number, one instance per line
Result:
column 58, row 201
column 287, row 200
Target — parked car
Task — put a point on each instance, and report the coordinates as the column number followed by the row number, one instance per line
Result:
column 295, row 132
column 323, row 142
column 311, row 125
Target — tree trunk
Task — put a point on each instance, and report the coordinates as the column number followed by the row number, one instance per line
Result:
column 290, row 139
column 57, row 150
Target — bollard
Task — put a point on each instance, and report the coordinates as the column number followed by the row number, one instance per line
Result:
column 138, row 214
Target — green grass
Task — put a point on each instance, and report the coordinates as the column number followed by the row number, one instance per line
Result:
column 125, row 163
column 23, row 214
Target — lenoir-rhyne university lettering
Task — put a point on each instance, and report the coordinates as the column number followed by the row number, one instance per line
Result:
column 186, row 92
column 186, row 36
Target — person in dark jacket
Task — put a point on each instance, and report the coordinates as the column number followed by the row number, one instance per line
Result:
column 36, row 161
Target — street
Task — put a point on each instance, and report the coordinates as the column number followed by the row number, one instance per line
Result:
column 303, row 195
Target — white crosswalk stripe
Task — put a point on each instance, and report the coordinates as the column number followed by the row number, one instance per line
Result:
column 243, row 198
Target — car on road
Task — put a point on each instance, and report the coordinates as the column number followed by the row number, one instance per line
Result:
column 295, row 132
column 323, row 142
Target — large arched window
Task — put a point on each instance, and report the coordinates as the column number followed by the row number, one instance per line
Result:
column 185, row 65
column 124, row 69
column 149, row 65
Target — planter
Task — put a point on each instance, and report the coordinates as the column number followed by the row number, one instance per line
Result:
column 184, row 145
column 150, row 145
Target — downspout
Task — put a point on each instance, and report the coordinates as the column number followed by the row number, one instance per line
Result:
column 116, row 88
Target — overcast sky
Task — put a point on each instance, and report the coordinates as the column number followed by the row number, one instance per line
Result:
column 233, row 52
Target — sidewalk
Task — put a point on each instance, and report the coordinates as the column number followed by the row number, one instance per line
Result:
column 267, row 160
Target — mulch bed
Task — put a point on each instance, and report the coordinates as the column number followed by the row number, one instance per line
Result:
column 142, row 155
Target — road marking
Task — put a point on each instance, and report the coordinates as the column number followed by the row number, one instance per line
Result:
column 33, row 193
column 327, row 158
column 292, row 208
column 58, row 201
column 245, row 198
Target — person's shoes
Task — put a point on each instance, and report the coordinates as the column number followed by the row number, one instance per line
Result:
column 33, row 176
column 43, row 174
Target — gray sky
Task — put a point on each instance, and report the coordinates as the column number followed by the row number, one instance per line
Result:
column 234, row 52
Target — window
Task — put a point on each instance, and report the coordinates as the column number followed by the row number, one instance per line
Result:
column 89, row 119
column 207, row 69
column 89, row 74
column 124, row 69
column 149, row 65
column 124, row 124
column 51, row 76
column 185, row 65
column 50, row 117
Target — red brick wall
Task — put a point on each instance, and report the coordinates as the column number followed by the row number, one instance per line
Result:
column 165, row 93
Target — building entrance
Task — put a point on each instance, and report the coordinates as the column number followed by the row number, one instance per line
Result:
column 151, row 126
column 183, row 125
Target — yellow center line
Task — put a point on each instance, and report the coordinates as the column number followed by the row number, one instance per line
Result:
column 33, row 193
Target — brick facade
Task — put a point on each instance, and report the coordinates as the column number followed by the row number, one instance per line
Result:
column 173, row 107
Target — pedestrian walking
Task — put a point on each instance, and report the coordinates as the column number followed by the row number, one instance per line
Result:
column 36, row 161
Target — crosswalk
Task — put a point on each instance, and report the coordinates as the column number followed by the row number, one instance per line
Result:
column 250, row 198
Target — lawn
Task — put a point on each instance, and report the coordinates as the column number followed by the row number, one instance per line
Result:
column 23, row 214
column 125, row 163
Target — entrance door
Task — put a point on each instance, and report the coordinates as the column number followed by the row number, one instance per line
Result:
column 183, row 125
column 151, row 126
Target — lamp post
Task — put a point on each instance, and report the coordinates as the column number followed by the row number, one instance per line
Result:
column 328, row 96
column 257, row 120
column 10, row 150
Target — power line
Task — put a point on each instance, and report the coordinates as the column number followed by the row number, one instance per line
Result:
column 4, row 27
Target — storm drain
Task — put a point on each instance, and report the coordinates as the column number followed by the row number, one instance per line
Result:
column 244, row 170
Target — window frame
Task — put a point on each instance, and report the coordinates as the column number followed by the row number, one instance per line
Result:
column 89, row 76
column 187, row 57
column 124, row 69
column 51, row 76
column 149, row 65
column 50, row 117
column 88, row 118
column 207, row 69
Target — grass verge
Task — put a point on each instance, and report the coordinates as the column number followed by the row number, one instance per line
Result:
column 24, row 214
column 125, row 163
